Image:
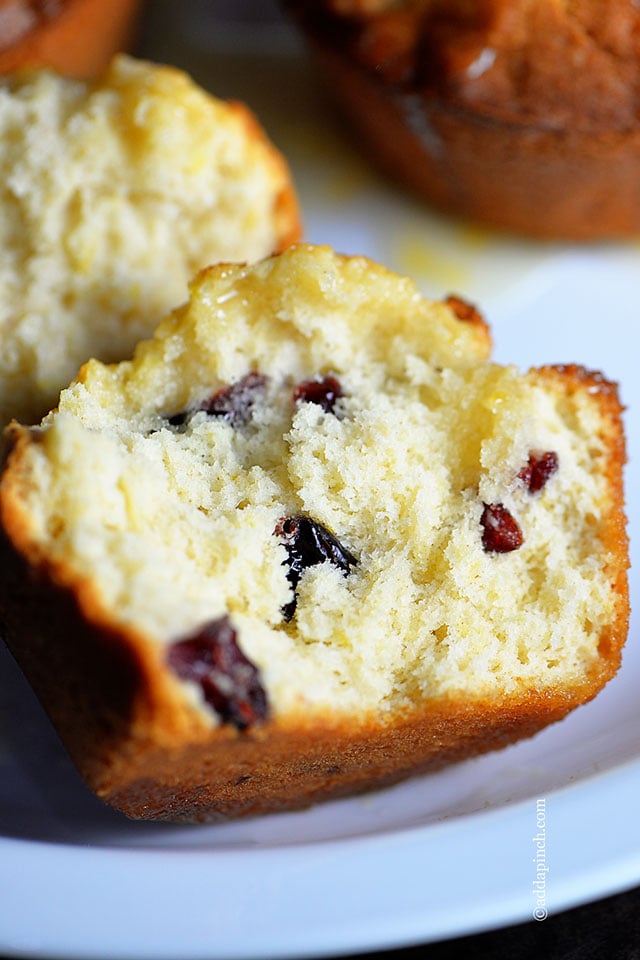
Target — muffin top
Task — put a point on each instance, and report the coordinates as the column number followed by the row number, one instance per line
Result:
column 549, row 63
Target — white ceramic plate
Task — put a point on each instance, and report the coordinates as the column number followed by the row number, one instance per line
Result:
column 447, row 854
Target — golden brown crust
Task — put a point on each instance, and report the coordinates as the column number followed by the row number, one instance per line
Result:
column 464, row 310
column 78, row 40
column 467, row 312
column 143, row 750
column 480, row 108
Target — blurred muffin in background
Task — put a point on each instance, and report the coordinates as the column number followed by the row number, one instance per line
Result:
column 113, row 194
column 75, row 37
column 518, row 113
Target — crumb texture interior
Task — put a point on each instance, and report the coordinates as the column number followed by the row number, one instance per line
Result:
column 112, row 195
column 172, row 511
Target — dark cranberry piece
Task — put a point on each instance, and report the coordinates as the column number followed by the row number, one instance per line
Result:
column 501, row 533
column 309, row 543
column 229, row 681
column 538, row 470
column 233, row 403
column 177, row 419
column 324, row 392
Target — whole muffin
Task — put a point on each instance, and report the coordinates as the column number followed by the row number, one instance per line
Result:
column 112, row 194
column 518, row 113
column 310, row 540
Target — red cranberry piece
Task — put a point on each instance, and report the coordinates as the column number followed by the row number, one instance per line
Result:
column 501, row 533
column 538, row 470
column 324, row 392
column 233, row 403
column 309, row 543
column 229, row 681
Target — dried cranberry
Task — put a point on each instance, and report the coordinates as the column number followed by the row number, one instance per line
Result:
column 538, row 470
column 177, row 419
column 324, row 392
column 229, row 681
column 233, row 403
column 309, row 543
column 501, row 533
